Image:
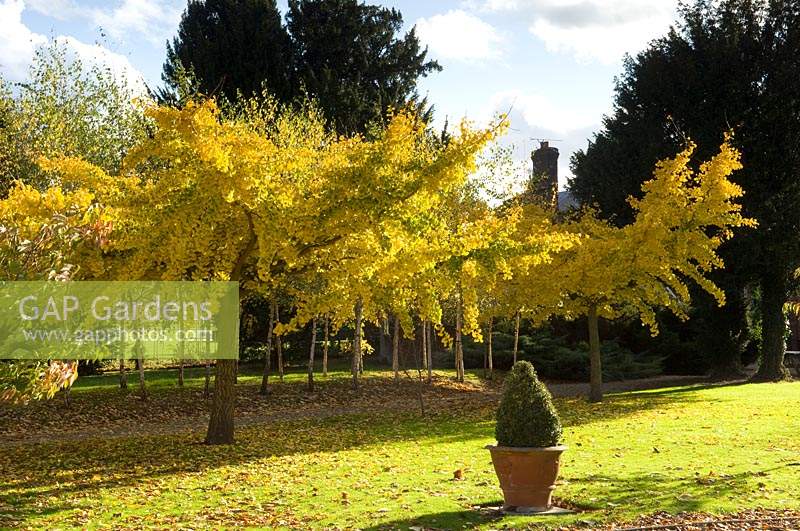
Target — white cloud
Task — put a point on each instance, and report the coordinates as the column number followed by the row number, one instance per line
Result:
column 58, row 9
column 18, row 45
column 118, row 65
column 537, row 111
column 17, row 42
column 533, row 116
column 605, row 43
column 502, row 5
column 461, row 36
column 153, row 19
column 602, row 30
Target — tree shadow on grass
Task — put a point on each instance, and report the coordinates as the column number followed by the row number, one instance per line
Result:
column 576, row 411
column 693, row 388
column 621, row 501
column 465, row 519
column 98, row 411
column 619, row 497
column 33, row 476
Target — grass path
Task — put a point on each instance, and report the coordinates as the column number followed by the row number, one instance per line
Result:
column 717, row 449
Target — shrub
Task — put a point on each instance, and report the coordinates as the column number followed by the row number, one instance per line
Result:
column 526, row 416
column 556, row 359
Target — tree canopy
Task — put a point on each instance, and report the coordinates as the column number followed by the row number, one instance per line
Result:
column 232, row 47
column 65, row 108
column 351, row 58
column 348, row 56
column 679, row 224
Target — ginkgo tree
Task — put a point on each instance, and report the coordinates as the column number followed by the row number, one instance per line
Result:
column 447, row 255
column 378, row 268
column 681, row 220
column 441, row 246
column 208, row 198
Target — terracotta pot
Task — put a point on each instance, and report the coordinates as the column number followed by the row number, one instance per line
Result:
column 527, row 475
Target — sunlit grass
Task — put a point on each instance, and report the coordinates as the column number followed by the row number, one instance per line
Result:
column 717, row 449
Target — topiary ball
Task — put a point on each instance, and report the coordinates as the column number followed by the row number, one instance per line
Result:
column 526, row 416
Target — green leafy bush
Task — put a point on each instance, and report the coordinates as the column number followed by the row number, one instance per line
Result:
column 557, row 360
column 526, row 416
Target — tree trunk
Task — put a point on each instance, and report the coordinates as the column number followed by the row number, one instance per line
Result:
column 279, row 355
column 458, row 349
column 279, row 345
column 396, row 349
column 424, row 342
column 207, row 387
column 325, row 347
column 311, row 354
column 223, row 401
column 223, row 404
column 596, row 368
column 723, row 334
column 385, row 339
column 123, row 374
column 356, row 365
column 489, row 349
column 773, row 327
column 142, row 389
column 207, row 352
column 268, row 357
column 220, row 426
column 181, row 357
column 794, row 330
column 516, row 336
column 461, row 369
column 429, row 353
column 486, row 361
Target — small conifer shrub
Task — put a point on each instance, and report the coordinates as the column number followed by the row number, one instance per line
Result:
column 526, row 416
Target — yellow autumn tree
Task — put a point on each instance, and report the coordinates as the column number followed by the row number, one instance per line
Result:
column 680, row 222
column 442, row 245
column 446, row 245
column 210, row 198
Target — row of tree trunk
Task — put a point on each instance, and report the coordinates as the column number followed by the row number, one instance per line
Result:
column 425, row 360
column 139, row 367
column 123, row 376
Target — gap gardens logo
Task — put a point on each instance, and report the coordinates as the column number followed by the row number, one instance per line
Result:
column 97, row 320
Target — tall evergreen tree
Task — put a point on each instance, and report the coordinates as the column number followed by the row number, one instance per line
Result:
column 726, row 64
column 348, row 55
column 229, row 46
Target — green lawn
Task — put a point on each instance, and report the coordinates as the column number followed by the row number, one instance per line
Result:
column 716, row 449
column 166, row 378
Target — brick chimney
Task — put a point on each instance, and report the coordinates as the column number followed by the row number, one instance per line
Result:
column 544, row 177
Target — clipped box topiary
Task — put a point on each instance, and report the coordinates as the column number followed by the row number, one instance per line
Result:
column 528, row 432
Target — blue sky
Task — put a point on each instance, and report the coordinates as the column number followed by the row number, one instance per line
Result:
column 552, row 62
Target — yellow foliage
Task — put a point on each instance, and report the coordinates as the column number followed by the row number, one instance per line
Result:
column 269, row 198
column 680, row 222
